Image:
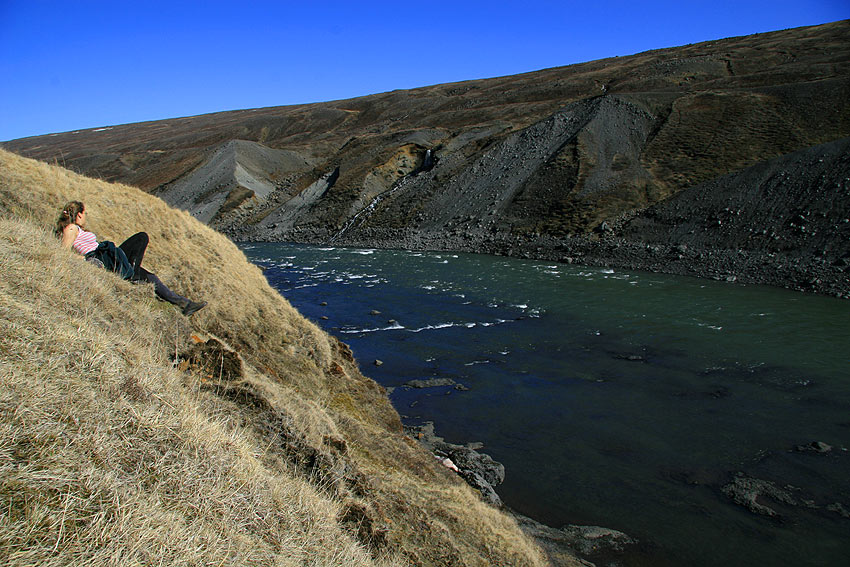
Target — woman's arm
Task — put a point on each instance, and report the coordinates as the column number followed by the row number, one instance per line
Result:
column 69, row 235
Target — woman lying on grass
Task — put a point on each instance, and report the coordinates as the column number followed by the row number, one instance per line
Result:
column 125, row 260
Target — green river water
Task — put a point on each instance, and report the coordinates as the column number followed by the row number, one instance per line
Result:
column 619, row 399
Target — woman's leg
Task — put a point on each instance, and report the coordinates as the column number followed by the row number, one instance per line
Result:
column 134, row 248
column 164, row 292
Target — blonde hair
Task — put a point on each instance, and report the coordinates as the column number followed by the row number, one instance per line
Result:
column 68, row 216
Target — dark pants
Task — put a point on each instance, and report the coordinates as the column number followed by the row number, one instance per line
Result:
column 134, row 248
column 112, row 258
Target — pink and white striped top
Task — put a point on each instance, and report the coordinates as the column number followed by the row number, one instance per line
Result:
column 85, row 242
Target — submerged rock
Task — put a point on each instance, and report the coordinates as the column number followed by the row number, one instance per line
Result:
column 587, row 541
column 839, row 509
column 430, row 383
column 814, row 447
column 747, row 492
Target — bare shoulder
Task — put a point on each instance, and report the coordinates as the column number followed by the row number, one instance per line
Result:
column 69, row 234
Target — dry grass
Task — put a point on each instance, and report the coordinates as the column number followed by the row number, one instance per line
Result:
column 111, row 455
column 190, row 257
column 106, row 454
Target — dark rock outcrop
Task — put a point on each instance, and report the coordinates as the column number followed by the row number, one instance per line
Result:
column 591, row 542
column 479, row 470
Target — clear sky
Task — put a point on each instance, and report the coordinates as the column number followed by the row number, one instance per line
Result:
column 74, row 64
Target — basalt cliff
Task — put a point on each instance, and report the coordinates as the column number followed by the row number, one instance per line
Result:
column 726, row 159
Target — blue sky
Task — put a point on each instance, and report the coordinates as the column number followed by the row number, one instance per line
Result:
column 85, row 64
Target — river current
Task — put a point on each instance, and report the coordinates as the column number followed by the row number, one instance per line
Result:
column 651, row 404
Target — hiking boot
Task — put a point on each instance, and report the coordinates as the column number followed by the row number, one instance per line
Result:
column 193, row 307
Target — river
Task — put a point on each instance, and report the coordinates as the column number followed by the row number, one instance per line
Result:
column 621, row 399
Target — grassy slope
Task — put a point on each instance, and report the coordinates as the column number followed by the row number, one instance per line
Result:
column 111, row 455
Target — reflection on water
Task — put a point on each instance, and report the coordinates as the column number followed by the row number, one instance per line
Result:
column 628, row 400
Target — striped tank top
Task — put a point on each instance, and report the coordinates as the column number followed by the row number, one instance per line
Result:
column 85, row 242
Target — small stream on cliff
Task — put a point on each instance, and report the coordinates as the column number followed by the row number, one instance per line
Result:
column 708, row 420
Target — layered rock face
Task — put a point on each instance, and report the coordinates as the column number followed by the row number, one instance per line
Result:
column 502, row 163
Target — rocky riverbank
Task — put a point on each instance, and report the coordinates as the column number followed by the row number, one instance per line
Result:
column 480, row 471
column 791, row 270
column 784, row 223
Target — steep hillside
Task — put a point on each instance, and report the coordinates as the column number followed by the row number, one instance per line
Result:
column 795, row 207
column 553, row 153
column 782, row 222
column 244, row 435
